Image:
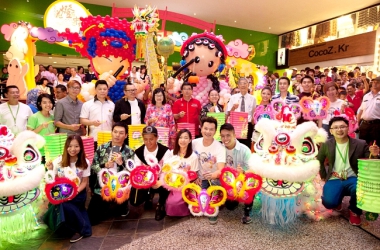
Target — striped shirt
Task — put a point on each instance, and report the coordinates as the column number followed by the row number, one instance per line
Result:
column 289, row 98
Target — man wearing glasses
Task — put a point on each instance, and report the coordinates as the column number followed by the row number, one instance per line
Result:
column 341, row 174
column 67, row 111
column 129, row 109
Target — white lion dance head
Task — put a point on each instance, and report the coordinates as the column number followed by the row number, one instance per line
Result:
column 21, row 173
column 285, row 158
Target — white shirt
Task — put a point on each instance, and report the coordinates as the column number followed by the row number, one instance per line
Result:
column 339, row 165
column 371, row 106
column 96, row 110
column 210, row 156
column 250, row 104
column 135, row 112
column 166, row 156
column 8, row 118
column 190, row 163
column 77, row 78
column 337, row 105
column 58, row 169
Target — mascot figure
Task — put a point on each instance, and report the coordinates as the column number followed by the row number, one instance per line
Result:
column 203, row 55
column 285, row 158
column 109, row 44
column 21, row 172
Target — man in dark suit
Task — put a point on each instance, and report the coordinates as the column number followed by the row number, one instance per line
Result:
column 342, row 153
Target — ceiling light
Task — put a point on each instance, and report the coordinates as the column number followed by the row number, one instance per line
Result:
column 270, row 28
column 50, row 57
column 195, row 14
column 54, row 62
column 235, row 21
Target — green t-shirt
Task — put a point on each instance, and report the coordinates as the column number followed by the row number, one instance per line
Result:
column 36, row 120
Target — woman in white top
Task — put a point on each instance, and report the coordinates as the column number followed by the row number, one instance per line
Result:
column 43, row 86
column 74, row 211
column 175, row 206
column 60, row 81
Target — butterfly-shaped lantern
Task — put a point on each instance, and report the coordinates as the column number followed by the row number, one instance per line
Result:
column 202, row 201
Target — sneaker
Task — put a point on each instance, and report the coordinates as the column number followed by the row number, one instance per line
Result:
column 213, row 220
column 355, row 219
column 160, row 213
column 338, row 208
column 76, row 237
column 125, row 213
column 246, row 220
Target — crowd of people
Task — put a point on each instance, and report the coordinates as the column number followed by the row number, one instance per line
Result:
column 53, row 106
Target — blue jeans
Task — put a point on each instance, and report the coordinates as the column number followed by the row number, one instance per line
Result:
column 335, row 190
column 75, row 213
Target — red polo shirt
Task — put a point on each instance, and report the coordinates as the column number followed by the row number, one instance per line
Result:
column 192, row 108
column 356, row 100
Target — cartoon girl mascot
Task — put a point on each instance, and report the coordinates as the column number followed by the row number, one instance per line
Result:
column 108, row 42
column 203, row 55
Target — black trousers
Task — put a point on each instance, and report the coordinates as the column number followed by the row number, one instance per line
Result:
column 248, row 141
column 139, row 196
column 370, row 132
column 99, row 209
column 232, row 205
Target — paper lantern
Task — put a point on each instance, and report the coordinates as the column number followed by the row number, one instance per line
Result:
column 202, row 201
column 103, row 137
column 54, row 146
column 221, row 118
column 135, row 138
column 240, row 122
column 189, row 126
column 88, row 144
column 368, row 185
column 163, row 135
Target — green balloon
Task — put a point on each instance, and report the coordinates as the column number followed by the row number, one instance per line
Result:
column 165, row 47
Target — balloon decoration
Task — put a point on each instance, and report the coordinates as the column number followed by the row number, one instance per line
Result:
column 240, row 187
column 145, row 24
column 22, row 37
column 285, row 158
column 116, row 92
column 202, row 55
column 21, row 173
column 109, row 44
column 204, row 202
column 165, row 47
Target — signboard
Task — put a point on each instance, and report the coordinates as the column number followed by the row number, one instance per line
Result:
column 358, row 45
column 64, row 14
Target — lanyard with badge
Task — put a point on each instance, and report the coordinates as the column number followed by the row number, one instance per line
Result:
column 343, row 174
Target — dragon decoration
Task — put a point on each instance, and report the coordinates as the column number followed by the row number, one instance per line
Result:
column 145, row 25
column 21, row 174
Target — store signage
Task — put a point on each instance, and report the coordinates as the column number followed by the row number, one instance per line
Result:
column 64, row 14
column 358, row 45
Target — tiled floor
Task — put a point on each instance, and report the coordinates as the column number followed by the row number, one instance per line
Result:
column 110, row 234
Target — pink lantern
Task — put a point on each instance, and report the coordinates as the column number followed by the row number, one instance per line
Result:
column 88, row 144
column 240, row 122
